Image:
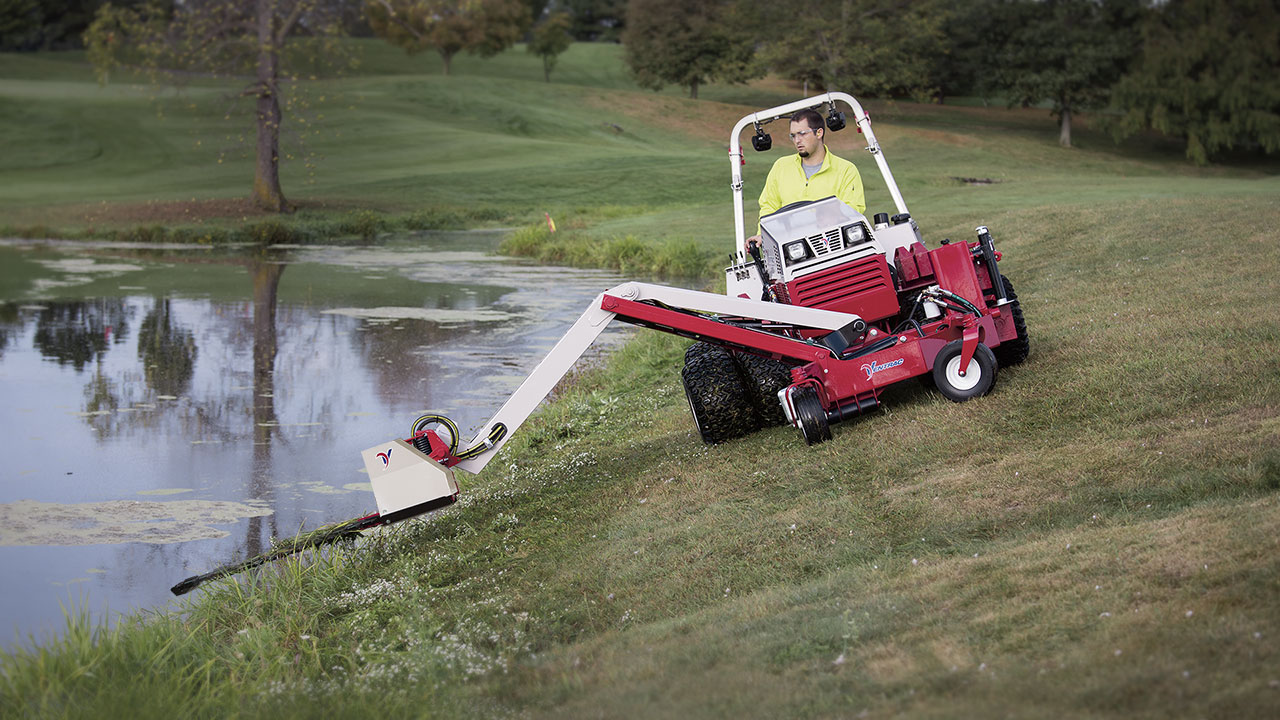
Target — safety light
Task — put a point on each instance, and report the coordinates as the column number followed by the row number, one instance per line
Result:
column 796, row 251
column 761, row 140
column 835, row 119
column 854, row 234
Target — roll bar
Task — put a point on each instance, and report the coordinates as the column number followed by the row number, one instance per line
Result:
column 861, row 119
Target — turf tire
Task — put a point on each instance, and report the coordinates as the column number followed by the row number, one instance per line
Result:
column 763, row 378
column 717, row 395
column 1011, row 352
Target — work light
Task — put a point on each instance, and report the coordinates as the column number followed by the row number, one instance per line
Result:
column 796, row 251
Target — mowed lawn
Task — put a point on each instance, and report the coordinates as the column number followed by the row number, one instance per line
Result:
column 1099, row 537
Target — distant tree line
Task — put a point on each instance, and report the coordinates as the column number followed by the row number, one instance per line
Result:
column 1206, row 71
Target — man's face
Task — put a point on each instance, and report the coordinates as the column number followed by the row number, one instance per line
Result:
column 806, row 139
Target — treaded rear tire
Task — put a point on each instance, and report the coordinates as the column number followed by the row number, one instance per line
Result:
column 717, row 395
column 763, row 378
column 1011, row 352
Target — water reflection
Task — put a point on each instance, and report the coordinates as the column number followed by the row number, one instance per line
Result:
column 266, row 287
column 167, row 377
column 78, row 333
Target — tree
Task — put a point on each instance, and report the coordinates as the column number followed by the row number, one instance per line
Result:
column 45, row 24
column 1066, row 52
column 482, row 27
column 866, row 47
column 1209, row 73
column 221, row 38
column 670, row 42
column 550, row 38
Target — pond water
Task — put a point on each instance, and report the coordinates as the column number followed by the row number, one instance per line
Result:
column 166, row 410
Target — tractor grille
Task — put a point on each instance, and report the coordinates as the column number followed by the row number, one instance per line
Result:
column 826, row 243
column 833, row 241
column 862, row 287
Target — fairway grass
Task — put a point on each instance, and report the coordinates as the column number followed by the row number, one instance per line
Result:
column 1099, row 537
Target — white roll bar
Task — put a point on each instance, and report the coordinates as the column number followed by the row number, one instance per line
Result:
column 860, row 119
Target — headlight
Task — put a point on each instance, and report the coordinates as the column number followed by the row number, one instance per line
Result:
column 854, row 234
column 796, row 251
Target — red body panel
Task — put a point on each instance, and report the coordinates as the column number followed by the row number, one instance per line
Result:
column 862, row 287
column 953, row 269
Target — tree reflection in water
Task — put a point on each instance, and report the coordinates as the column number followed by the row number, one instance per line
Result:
column 167, row 351
column 79, row 332
column 266, row 283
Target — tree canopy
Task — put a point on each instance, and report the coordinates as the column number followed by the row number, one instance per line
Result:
column 867, row 47
column 550, row 38
column 482, row 27
column 1210, row 74
column 672, row 42
column 1065, row 52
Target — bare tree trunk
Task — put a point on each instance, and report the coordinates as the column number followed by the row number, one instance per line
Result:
column 266, row 180
column 693, row 90
column 448, row 60
column 1064, row 128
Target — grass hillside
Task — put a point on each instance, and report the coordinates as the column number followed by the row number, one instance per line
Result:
column 1099, row 537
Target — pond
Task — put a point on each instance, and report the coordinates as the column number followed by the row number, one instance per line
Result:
column 166, row 410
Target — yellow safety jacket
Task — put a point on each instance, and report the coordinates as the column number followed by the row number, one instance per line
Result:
column 787, row 184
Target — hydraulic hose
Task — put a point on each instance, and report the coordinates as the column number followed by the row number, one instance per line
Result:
column 496, row 433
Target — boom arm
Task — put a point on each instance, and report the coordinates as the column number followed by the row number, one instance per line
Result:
column 635, row 303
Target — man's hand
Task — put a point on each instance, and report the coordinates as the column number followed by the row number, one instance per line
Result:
column 755, row 241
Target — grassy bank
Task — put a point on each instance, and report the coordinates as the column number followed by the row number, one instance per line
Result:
column 1096, row 538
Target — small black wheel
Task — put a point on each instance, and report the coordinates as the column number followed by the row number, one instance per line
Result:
column 763, row 378
column 975, row 381
column 811, row 418
column 1011, row 352
column 717, row 395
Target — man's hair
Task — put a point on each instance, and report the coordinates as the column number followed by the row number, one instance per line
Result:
column 809, row 117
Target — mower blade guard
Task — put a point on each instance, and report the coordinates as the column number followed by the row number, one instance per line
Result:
column 407, row 482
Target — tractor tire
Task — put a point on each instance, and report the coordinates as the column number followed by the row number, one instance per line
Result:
column 977, row 381
column 700, row 350
column 1012, row 352
column 812, row 419
column 763, row 379
column 717, row 396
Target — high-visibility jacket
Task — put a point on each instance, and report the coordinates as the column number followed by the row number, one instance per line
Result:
column 787, row 184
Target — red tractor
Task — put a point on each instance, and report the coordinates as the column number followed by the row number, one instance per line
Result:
column 831, row 309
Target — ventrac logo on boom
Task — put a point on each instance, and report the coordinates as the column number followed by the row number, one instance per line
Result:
column 385, row 457
column 874, row 367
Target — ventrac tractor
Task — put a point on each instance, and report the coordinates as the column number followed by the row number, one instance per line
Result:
column 829, row 310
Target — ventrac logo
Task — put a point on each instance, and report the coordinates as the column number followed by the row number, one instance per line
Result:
column 385, row 457
column 874, row 367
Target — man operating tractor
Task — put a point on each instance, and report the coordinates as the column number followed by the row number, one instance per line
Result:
column 813, row 173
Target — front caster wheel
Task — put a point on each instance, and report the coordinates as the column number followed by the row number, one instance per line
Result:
column 810, row 416
column 973, row 382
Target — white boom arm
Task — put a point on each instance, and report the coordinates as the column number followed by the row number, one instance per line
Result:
column 860, row 119
column 588, row 327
